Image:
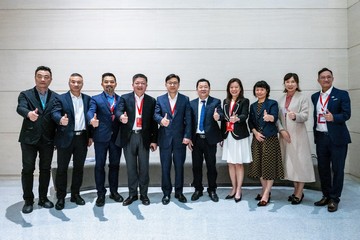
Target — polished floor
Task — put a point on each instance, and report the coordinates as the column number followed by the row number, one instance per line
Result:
column 202, row 219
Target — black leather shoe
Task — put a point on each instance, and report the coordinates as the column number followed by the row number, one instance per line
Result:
column 60, row 204
column 213, row 196
column 332, row 206
column 144, row 200
column 129, row 200
column 296, row 200
column 77, row 199
column 100, row 201
column 28, row 206
column 116, row 197
column 322, row 202
column 290, row 198
column 181, row 197
column 238, row 199
column 45, row 203
column 165, row 200
column 196, row 195
column 230, row 196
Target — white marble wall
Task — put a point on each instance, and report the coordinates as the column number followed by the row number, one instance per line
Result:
column 217, row 40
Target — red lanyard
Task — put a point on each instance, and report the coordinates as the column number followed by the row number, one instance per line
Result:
column 231, row 109
column 173, row 109
column 141, row 106
column 326, row 102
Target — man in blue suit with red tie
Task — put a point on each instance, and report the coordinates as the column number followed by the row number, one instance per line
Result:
column 101, row 116
column 331, row 110
column 206, row 112
column 173, row 113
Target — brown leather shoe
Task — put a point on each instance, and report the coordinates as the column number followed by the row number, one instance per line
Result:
column 322, row 202
column 332, row 206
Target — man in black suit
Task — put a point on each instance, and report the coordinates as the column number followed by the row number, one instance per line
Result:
column 332, row 109
column 71, row 139
column 37, row 137
column 206, row 112
column 137, row 136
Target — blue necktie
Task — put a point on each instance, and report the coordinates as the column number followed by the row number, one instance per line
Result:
column 202, row 116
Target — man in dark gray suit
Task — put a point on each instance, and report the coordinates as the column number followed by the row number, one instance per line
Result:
column 206, row 112
column 72, row 139
column 137, row 136
column 37, row 137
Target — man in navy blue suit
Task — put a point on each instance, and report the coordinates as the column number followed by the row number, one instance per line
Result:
column 101, row 116
column 173, row 113
column 206, row 112
column 331, row 111
column 72, row 138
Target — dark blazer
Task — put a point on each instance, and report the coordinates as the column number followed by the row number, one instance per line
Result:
column 63, row 104
column 241, row 108
column 340, row 107
column 180, row 123
column 268, row 129
column 149, row 130
column 211, row 127
column 44, row 127
column 107, row 129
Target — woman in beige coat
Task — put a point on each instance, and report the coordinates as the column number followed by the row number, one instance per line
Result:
column 294, row 141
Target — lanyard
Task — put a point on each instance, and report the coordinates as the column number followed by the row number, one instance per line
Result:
column 173, row 109
column 325, row 103
column 141, row 106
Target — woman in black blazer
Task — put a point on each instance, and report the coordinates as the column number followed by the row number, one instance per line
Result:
column 236, row 147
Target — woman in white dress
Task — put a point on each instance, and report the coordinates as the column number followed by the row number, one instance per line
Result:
column 294, row 141
column 236, row 146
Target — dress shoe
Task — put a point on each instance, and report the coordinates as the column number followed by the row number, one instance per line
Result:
column 258, row 197
column 196, row 195
column 100, row 201
column 116, row 197
column 213, row 196
column 165, row 200
column 28, row 206
column 296, row 200
column 290, row 198
column 332, row 206
column 77, row 199
column 60, row 204
column 322, row 202
column 230, row 196
column 238, row 199
column 144, row 200
column 181, row 197
column 45, row 202
column 129, row 200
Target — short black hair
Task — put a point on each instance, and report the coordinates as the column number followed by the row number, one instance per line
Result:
column 202, row 80
column 76, row 75
column 139, row 75
column 262, row 84
column 324, row 70
column 108, row 74
column 170, row 76
column 43, row 68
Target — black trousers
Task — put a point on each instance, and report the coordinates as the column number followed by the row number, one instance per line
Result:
column 202, row 150
column 29, row 154
column 78, row 150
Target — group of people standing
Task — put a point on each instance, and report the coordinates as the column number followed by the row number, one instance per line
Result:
column 136, row 124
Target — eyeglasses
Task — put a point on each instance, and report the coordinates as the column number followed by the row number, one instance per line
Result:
column 172, row 83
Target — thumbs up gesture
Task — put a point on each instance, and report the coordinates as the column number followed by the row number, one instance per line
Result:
column 216, row 116
column 234, row 118
column 124, row 118
column 94, row 121
column 267, row 117
column 64, row 120
column 165, row 121
column 33, row 115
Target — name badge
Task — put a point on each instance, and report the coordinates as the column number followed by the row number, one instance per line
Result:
column 321, row 118
column 139, row 122
column 229, row 126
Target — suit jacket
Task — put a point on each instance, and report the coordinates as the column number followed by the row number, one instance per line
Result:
column 241, row 108
column 211, row 127
column 256, row 121
column 63, row 104
column 149, row 131
column 180, row 123
column 44, row 127
column 107, row 129
column 339, row 106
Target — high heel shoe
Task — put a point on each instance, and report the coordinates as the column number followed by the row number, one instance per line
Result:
column 263, row 203
column 230, row 196
column 296, row 200
column 259, row 197
column 238, row 199
column 291, row 197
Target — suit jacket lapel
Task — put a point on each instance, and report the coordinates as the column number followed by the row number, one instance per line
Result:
column 70, row 106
